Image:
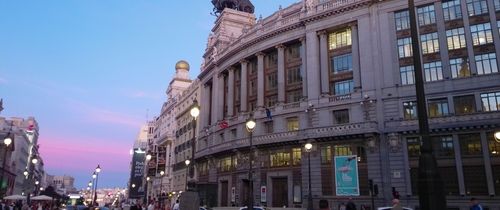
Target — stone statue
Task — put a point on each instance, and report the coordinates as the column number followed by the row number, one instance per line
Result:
column 240, row 5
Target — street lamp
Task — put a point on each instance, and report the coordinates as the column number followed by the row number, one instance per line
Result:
column 161, row 188
column 34, row 161
column 308, row 148
column 187, row 162
column 250, row 125
column 96, row 173
column 195, row 112
column 148, row 157
column 430, row 184
column 497, row 136
column 7, row 141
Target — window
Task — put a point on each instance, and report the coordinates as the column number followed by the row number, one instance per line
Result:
column 269, row 126
column 426, row 15
column 342, row 63
column 443, row 146
column 341, row 116
column 338, row 39
column 459, row 68
column 455, row 38
column 272, row 81
column 292, row 124
column 410, row 110
column 297, row 156
column 438, row 107
column 470, row 144
column 481, row 34
column 413, row 145
column 343, row 87
column 486, row 63
column 477, row 7
column 293, row 75
column 407, row 75
column 430, row 43
column 404, row 47
column 402, row 19
column 342, row 150
column 452, row 10
column 433, row 71
column 326, row 154
column 464, row 104
column 253, row 88
column 271, row 100
column 497, row 5
column 491, row 101
column 271, row 59
column 233, row 133
column 225, row 164
column 493, row 145
column 280, row 159
column 294, row 96
column 292, row 52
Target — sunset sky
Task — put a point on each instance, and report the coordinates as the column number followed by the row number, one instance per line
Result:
column 89, row 71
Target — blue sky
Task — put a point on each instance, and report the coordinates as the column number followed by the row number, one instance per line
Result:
column 88, row 71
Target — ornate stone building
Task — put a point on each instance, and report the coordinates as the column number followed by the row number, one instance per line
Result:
column 339, row 74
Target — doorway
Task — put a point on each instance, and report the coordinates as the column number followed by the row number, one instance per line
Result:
column 280, row 192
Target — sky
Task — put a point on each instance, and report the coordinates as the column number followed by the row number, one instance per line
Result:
column 92, row 72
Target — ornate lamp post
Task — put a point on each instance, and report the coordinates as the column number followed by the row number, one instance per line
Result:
column 97, row 171
column 250, row 125
column 34, row 161
column 148, row 158
column 187, row 162
column 430, row 184
column 195, row 112
column 7, row 141
column 308, row 148
column 161, row 188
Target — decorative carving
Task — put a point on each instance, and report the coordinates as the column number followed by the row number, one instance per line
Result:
column 394, row 142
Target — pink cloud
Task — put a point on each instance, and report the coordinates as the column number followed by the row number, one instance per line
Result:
column 142, row 94
column 101, row 115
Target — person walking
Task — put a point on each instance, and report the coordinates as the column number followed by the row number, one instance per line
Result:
column 176, row 205
column 475, row 204
column 151, row 206
column 350, row 205
column 396, row 205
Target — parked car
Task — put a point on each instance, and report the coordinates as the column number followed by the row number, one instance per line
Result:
column 389, row 208
column 254, row 208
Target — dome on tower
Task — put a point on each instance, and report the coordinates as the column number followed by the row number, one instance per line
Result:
column 182, row 64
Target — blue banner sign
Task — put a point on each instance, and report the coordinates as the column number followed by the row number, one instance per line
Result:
column 346, row 175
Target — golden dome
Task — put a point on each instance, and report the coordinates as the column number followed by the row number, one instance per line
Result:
column 182, row 64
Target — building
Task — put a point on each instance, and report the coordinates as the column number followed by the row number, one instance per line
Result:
column 62, row 185
column 339, row 74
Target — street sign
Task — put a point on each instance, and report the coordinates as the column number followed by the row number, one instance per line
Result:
column 263, row 194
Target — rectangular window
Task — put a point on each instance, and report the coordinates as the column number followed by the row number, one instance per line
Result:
column 491, row 101
column 341, row 116
column 426, row 15
column 297, row 156
column 293, row 75
column 407, row 75
column 455, row 38
column 342, row 150
column 497, row 5
column 452, row 10
column 486, row 63
column 292, row 124
column 413, row 145
column 477, row 7
column 293, row 96
column 481, row 34
column 342, row 63
column 470, row 144
column 252, row 87
column 443, row 146
column 404, row 47
column 292, row 52
column 464, row 104
column 326, row 154
column 459, row 68
column 438, row 107
column 269, row 126
column 402, row 19
column 280, row 159
column 271, row 60
column 341, row 38
column 271, row 100
column 430, row 43
column 493, row 145
column 271, row 81
column 410, row 110
column 225, row 164
column 433, row 71
column 343, row 87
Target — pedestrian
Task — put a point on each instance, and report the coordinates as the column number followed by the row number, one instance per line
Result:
column 396, row 205
column 342, row 206
column 350, row 205
column 151, row 206
column 176, row 205
column 475, row 204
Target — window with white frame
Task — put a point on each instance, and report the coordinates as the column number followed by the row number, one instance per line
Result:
column 497, row 5
column 452, row 10
column 430, row 43
column 426, row 15
column 340, row 38
column 481, row 34
column 486, row 63
column 433, row 71
column 491, row 101
column 404, row 47
column 455, row 38
column 402, row 19
column 407, row 75
column 459, row 68
column 343, row 87
column 342, row 63
column 477, row 7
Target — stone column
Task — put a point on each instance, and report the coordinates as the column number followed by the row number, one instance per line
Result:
column 312, row 66
column 260, row 79
column 214, row 104
column 205, row 105
column 243, row 83
column 281, row 73
column 487, row 164
column 355, row 57
column 220, row 96
column 230, row 93
column 323, row 46
column 303, row 66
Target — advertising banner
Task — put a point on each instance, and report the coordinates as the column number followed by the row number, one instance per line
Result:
column 136, row 188
column 346, row 175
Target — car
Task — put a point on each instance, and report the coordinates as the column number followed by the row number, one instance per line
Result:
column 254, row 208
column 390, row 207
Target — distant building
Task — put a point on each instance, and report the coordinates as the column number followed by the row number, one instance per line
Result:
column 61, row 184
